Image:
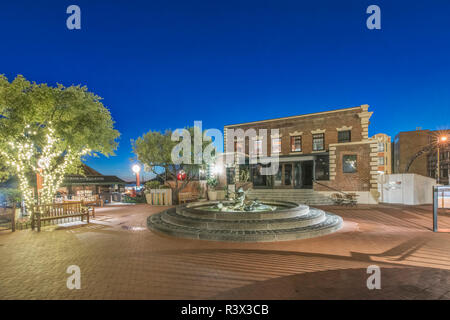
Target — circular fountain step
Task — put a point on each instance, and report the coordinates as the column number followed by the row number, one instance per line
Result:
column 313, row 216
column 286, row 209
column 289, row 221
column 330, row 224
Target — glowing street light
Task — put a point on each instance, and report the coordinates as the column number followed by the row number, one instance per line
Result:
column 441, row 140
column 136, row 169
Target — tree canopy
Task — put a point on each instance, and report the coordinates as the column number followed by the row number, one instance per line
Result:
column 79, row 118
column 53, row 122
column 154, row 149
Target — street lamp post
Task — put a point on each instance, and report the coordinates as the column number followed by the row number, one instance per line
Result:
column 441, row 139
column 136, row 168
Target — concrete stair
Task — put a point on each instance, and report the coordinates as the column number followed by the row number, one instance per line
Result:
column 300, row 196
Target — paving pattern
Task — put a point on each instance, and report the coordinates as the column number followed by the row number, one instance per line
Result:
column 120, row 258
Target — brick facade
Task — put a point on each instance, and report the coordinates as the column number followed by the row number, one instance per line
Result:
column 365, row 177
column 408, row 144
column 355, row 120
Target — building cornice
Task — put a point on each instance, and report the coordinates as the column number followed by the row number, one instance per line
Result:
column 361, row 107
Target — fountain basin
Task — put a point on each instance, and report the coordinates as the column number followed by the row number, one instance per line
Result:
column 200, row 220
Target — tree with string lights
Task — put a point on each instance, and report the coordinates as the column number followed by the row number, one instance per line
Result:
column 47, row 130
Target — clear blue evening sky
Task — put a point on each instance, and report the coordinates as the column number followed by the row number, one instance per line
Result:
column 163, row 64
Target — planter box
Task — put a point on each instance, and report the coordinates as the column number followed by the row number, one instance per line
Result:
column 212, row 195
column 159, row 197
column 216, row 195
column 221, row 194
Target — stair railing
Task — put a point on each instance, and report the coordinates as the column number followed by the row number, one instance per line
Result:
column 331, row 188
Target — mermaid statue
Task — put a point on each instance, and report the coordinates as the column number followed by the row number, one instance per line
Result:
column 240, row 204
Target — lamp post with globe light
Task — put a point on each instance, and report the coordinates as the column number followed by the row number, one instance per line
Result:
column 136, row 169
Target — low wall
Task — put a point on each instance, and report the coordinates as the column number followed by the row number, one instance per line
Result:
column 406, row 188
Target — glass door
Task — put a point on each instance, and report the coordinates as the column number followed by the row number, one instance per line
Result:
column 278, row 178
column 287, row 174
column 298, row 175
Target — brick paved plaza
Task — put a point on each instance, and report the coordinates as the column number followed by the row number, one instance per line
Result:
column 121, row 259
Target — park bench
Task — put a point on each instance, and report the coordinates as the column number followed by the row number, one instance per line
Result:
column 345, row 199
column 184, row 197
column 57, row 211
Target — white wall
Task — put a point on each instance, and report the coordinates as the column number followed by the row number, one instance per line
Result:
column 405, row 188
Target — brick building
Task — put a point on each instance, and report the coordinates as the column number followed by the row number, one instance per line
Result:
column 416, row 152
column 326, row 151
column 384, row 152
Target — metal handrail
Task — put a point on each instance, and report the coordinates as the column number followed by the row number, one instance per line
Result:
column 334, row 189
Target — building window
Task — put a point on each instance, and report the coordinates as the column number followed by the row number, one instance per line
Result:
column 276, row 145
column 349, row 163
column 296, row 143
column 238, row 146
column 380, row 147
column 257, row 147
column 231, row 173
column 344, row 136
column 322, row 168
column 318, row 142
column 444, row 173
column 381, row 161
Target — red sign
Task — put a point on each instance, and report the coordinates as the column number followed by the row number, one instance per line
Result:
column 181, row 175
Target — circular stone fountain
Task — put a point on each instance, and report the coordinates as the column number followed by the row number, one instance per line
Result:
column 244, row 221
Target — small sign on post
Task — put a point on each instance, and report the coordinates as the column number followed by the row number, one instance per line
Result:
column 443, row 192
column 435, row 208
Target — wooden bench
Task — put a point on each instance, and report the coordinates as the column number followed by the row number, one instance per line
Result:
column 56, row 211
column 8, row 214
column 337, row 198
column 184, row 197
column 345, row 199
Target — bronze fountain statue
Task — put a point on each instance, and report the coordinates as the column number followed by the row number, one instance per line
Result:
column 240, row 204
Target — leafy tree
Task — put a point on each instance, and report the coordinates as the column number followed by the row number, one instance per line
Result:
column 48, row 129
column 154, row 149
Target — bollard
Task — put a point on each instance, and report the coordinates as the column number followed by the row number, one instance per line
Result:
column 435, row 209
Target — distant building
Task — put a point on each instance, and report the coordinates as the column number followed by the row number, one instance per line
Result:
column 384, row 152
column 91, row 182
column 416, row 152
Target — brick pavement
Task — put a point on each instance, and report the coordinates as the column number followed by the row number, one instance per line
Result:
column 120, row 259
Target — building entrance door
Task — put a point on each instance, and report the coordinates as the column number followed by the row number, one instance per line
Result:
column 297, row 174
column 307, row 176
column 303, row 174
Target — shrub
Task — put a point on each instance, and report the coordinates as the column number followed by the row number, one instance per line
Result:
column 137, row 199
column 152, row 185
column 10, row 195
column 212, row 183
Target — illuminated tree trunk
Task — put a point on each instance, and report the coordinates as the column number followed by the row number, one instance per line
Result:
column 52, row 165
column 20, row 156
